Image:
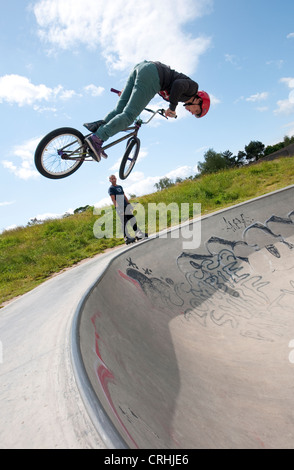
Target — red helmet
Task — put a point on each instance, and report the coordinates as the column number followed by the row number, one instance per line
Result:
column 205, row 103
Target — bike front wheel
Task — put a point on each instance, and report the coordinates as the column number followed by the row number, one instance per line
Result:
column 130, row 157
column 60, row 153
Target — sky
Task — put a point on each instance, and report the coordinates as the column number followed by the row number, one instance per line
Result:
column 59, row 59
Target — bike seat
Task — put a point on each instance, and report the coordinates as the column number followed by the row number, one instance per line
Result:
column 93, row 126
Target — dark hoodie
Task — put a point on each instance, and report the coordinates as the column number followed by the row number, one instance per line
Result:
column 175, row 86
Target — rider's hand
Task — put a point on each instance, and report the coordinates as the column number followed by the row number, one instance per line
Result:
column 169, row 113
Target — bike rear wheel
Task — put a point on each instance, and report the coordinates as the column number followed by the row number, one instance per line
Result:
column 60, row 153
column 130, row 157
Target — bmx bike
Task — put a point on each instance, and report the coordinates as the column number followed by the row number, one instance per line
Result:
column 61, row 152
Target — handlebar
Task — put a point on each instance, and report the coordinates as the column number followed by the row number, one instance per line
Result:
column 159, row 111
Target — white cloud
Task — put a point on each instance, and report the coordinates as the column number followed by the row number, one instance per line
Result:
column 286, row 106
column 258, row 97
column 106, row 201
column 17, row 89
column 262, row 109
column 44, row 109
column 141, row 185
column 290, row 35
column 182, row 172
column 201, row 149
column 289, row 81
column 10, row 227
column 6, row 203
column 126, row 31
column 233, row 60
column 290, row 127
column 230, row 58
column 94, row 90
column 277, row 63
column 214, row 100
column 50, row 215
column 24, row 169
column 116, row 165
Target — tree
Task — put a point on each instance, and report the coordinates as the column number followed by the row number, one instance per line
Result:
column 34, row 221
column 273, row 148
column 178, row 180
column 214, row 161
column 229, row 158
column 163, row 183
column 241, row 158
column 254, row 150
column 79, row 210
column 288, row 140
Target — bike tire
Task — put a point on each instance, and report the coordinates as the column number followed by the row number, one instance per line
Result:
column 47, row 160
column 130, row 157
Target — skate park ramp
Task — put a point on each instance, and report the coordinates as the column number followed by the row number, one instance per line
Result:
column 180, row 347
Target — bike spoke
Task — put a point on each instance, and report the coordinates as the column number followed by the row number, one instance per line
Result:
column 65, row 145
column 130, row 161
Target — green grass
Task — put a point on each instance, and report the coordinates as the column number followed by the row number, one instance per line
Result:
column 30, row 255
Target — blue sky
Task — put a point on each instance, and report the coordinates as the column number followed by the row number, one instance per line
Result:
column 59, row 58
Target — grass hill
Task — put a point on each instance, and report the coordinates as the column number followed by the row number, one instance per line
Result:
column 30, row 255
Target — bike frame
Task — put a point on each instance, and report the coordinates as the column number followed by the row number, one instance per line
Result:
column 134, row 128
column 132, row 132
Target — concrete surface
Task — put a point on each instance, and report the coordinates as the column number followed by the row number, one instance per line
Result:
column 194, row 348
column 40, row 404
column 165, row 347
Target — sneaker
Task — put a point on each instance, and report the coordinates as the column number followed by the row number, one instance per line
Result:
column 95, row 144
column 93, row 126
column 140, row 235
column 129, row 240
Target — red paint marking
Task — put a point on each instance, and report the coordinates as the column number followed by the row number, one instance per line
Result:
column 125, row 276
column 105, row 377
column 97, row 337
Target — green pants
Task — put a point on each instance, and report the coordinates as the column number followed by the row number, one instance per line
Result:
column 142, row 85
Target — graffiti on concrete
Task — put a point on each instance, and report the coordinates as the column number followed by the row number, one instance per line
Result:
column 221, row 285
